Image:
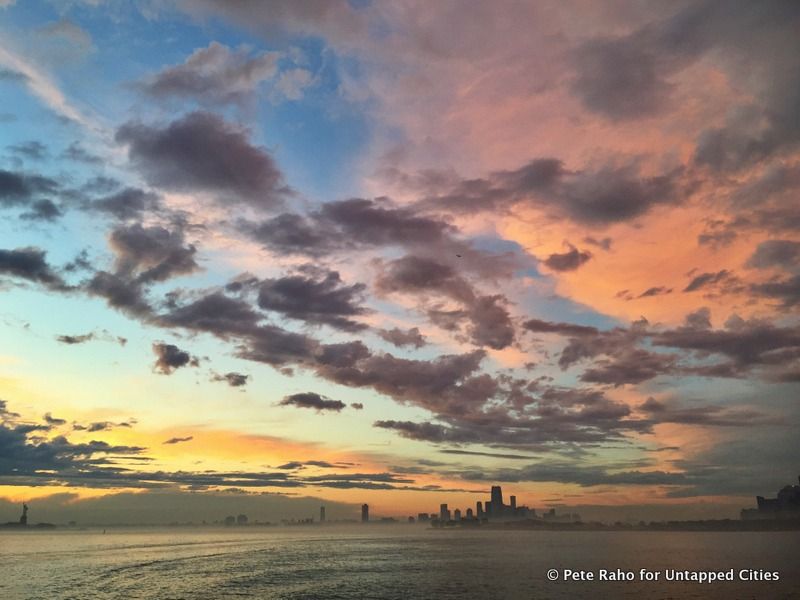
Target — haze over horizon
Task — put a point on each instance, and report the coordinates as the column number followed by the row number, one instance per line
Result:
column 279, row 254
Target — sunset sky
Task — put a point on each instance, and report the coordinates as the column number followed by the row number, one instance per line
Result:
column 398, row 252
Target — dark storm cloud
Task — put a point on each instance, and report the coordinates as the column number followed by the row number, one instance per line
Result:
column 17, row 189
column 30, row 264
column 776, row 253
column 127, row 204
column 403, row 337
column 567, row 261
column 178, row 440
column 356, row 406
column 201, row 152
column 312, row 400
column 149, row 254
column 319, row 298
column 233, row 379
column 169, row 357
column 32, row 150
column 215, row 75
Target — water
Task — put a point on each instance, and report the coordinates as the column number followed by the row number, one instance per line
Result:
column 382, row 563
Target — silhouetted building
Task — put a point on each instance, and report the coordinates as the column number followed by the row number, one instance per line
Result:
column 479, row 508
column 230, row 520
column 497, row 500
column 469, row 513
column 421, row 517
column 23, row 520
column 513, row 500
column 321, row 514
column 457, row 514
column 444, row 513
column 365, row 513
column 786, row 505
column 241, row 520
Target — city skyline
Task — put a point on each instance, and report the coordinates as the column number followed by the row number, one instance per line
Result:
column 344, row 253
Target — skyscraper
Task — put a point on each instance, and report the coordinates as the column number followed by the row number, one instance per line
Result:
column 365, row 513
column 479, row 508
column 513, row 500
column 444, row 513
column 321, row 514
column 497, row 498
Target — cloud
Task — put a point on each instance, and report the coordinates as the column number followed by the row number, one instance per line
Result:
column 215, row 75
column 19, row 189
column 602, row 196
column 776, row 253
column 233, row 379
column 402, row 338
column 42, row 210
column 318, row 297
column 32, row 149
column 103, row 335
column 30, row 264
column 149, row 254
column 169, row 358
column 567, row 261
column 539, row 326
column 76, row 152
column 127, row 204
column 201, row 152
column 51, row 420
column 312, row 400
column 178, row 440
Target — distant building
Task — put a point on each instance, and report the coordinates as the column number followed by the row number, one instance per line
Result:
column 479, row 508
column 321, row 514
column 469, row 513
column 365, row 513
column 444, row 513
column 497, row 501
column 422, row 517
column 230, row 520
column 412, row 520
column 241, row 520
column 786, row 505
column 457, row 514
column 513, row 500
column 23, row 520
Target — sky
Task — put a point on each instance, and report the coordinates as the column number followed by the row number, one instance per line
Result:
column 288, row 253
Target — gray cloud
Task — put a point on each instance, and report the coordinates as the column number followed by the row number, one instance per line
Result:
column 403, row 337
column 201, row 152
column 319, row 297
column 312, row 400
column 232, row 378
column 568, row 261
column 215, row 75
column 169, row 357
